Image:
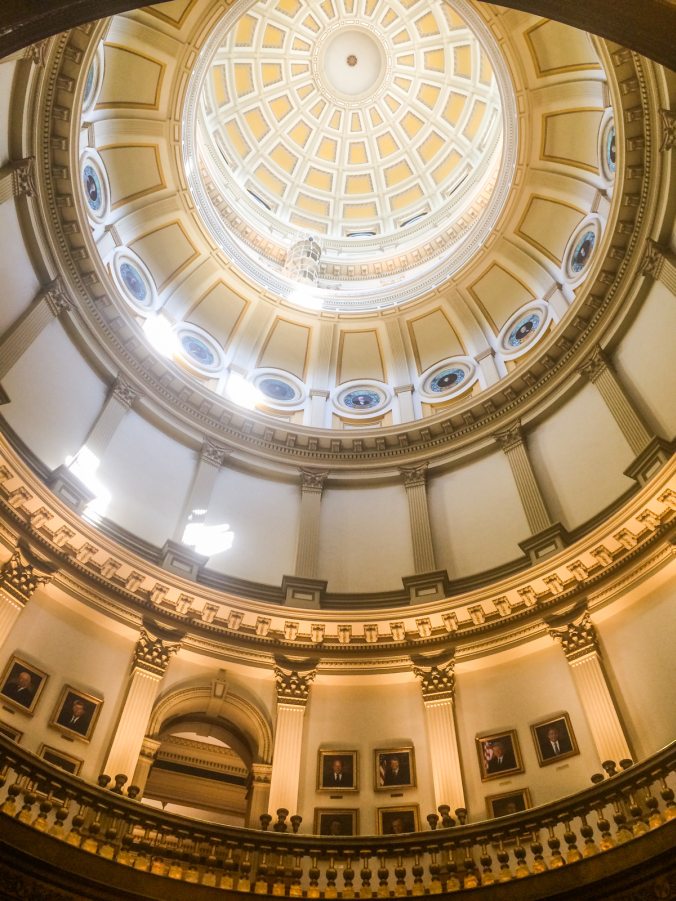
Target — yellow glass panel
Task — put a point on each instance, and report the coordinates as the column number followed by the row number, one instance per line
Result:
column 245, row 31
column 219, row 85
column 335, row 120
column 313, row 205
column 313, row 225
column 441, row 173
column 429, row 94
column 358, row 184
column 454, row 107
column 318, row 109
column 256, row 122
column 389, row 17
column 411, row 124
column 300, row 133
column 427, row 25
column 406, row 198
column 357, row 153
column 475, row 119
column 289, row 7
column 463, row 61
column 327, row 150
column 284, row 158
column 401, row 37
column 397, row 173
column 392, row 102
column 406, row 59
column 360, row 211
column 330, row 12
column 430, row 147
column 300, row 44
column 376, row 118
column 271, row 73
column 280, row 106
column 435, row 60
column 319, row 179
column 243, row 79
column 269, row 180
column 403, row 83
column 386, row 144
column 304, row 91
column 236, row 138
column 299, row 69
column 273, row 37
column 485, row 70
column 311, row 23
column 355, row 122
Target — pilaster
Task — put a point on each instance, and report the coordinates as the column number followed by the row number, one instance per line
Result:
column 121, row 398
column 659, row 263
column 146, row 758
column 154, row 649
column 513, row 443
column 293, row 690
column 259, row 793
column 17, row 179
column 20, row 576
column 307, row 552
column 415, row 482
column 49, row 303
column 578, row 638
column 437, row 684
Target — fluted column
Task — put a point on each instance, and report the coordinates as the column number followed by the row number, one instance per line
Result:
column 17, row 179
column 50, row 302
column 601, row 374
column 212, row 457
column 437, row 683
column 146, row 758
column 19, row 577
column 513, row 443
column 307, row 551
column 153, row 651
column 580, row 644
column 659, row 263
column 259, row 793
column 293, row 689
column 120, row 399
column 415, row 482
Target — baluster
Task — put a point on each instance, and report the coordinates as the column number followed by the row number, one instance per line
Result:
column 638, row 823
column 433, row 820
column 471, row 878
column 229, row 867
column 107, row 847
column 417, row 870
column 348, row 878
column 446, row 819
column 40, row 822
column 539, row 863
column 487, row 874
column 90, row 841
column 279, row 885
column 383, row 875
column 13, row 792
column 191, row 873
column 654, row 816
column 505, row 874
column 295, row 820
column 74, row 837
column 244, row 881
column 125, row 855
column 573, row 852
column 521, row 868
column 211, row 863
column 265, row 819
column 331, row 875
column 60, row 816
column 453, row 883
column 607, row 841
column 365, row 875
column 435, row 887
column 296, row 889
column 556, row 859
column 587, row 834
column 314, row 874
column 400, row 875
column 29, row 798
column 622, row 831
column 175, row 868
column 667, row 794
column 261, row 883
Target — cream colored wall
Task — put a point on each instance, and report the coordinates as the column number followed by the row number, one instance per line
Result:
column 6, row 75
column 363, row 716
column 263, row 514
column 477, row 517
column 365, row 538
column 579, row 454
column 18, row 280
column 82, row 651
column 640, row 359
column 55, row 397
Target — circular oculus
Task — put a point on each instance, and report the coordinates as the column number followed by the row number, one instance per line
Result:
column 362, row 399
column 92, row 187
column 524, row 330
column 276, row 389
column 582, row 251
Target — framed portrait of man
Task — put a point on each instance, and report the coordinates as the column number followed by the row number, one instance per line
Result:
column 336, row 821
column 499, row 755
column 59, row 758
column 76, row 713
column 337, row 771
column 508, row 802
column 554, row 739
column 394, row 768
column 10, row 732
column 21, row 685
column 398, row 820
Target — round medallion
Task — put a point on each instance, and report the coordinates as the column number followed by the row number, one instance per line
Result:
column 134, row 282
column 524, row 330
column 198, row 350
column 92, row 186
column 446, row 380
column 611, row 150
column 89, row 84
column 352, row 62
column 276, row 389
column 583, row 250
column 362, row 399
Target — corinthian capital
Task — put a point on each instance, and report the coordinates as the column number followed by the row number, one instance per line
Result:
column 124, row 392
column 509, row 437
column 23, row 573
column 653, row 258
column 57, row 297
column 414, row 476
column 23, row 178
column 214, row 453
column 313, row 479
column 595, row 365
column 437, row 682
column 577, row 636
column 294, row 681
column 153, row 652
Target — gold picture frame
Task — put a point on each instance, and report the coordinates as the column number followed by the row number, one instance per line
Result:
column 507, row 803
column 336, row 821
column 76, row 713
column 64, row 761
column 21, row 685
column 337, row 770
column 554, row 739
column 394, row 768
column 499, row 754
column 398, row 820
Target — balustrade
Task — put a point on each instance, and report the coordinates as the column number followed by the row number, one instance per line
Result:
column 616, row 809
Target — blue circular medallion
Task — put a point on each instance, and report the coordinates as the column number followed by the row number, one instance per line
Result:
column 447, row 379
column 198, row 350
column 523, row 330
column 582, row 251
column 89, row 84
column 134, row 282
column 276, row 389
column 611, row 150
column 362, row 399
column 92, row 187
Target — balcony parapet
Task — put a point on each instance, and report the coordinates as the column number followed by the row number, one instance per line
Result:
column 615, row 825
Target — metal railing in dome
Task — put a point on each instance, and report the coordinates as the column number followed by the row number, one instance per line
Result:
column 614, row 811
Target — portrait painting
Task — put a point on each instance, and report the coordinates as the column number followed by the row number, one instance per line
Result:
column 336, row 821
column 508, row 802
column 499, row 755
column 76, row 713
column 337, row 771
column 10, row 732
column 554, row 739
column 398, row 820
column 58, row 758
column 21, row 685
column 394, row 768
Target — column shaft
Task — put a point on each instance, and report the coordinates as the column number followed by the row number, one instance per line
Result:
column 288, row 746
column 415, row 481
column 612, row 392
column 528, row 488
column 204, row 480
column 599, row 707
column 259, row 794
column 19, row 336
column 10, row 608
column 117, row 403
column 133, row 723
column 446, row 772
column 149, row 749
column 307, row 554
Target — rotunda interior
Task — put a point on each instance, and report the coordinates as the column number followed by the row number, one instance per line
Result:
column 337, row 405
